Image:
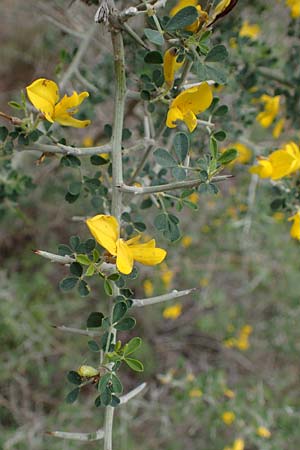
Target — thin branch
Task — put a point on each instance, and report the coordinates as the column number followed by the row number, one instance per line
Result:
column 65, row 149
column 169, row 186
column 163, row 298
column 85, row 82
column 63, row 27
column 77, row 331
column 95, row 436
column 125, row 398
column 55, row 258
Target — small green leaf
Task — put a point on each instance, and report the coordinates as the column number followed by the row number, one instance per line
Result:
column 74, row 242
column 98, row 160
column 179, row 173
column 75, row 187
column 83, row 288
column 181, row 145
column 105, row 397
column 182, row 19
column 114, row 276
column 70, row 161
column 134, row 364
column 116, row 384
column 103, row 382
column 93, row 346
column 154, row 36
column 72, row 396
column 132, row 345
column 76, row 269
column 74, row 377
column 115, row 401
column 213, row 145
column 164, row 159
column 108, row 288
column 94, row 320
column 90, row 271
column 220, row 136
column 15, row 105
column 153, row 57
column 83, row 259
column 119, row 311
column 217, row 54
column 3, row 133
column 126, row 324
column 68, row 283
column 228, row 156
column 64, row 250
column 221, row 111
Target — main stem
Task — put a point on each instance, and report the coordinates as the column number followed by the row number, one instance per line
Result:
column 117, row 179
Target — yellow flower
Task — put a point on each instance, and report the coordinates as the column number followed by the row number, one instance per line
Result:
column 263, row 432
column 228, row 417
column 87, row 371
column 264, row 168
column 229, row 393
column 251, row 31
column 44, row 95
column 239, row 444
column 271, row 109
column 194, row 27
column 171, row 65
column 242, row 343
column 295, row 228
column 294, row 6
column 105, row 229
column 244, row 153
column 278, row 216
column 189, row 103
column 88, row 141
column 195, row 393
column 166, row 275
column 246, row 329
column 277, row 130
column 222, row 8
column 186, row 241
column 148, row 288
column 172, row 312
column 194, row 197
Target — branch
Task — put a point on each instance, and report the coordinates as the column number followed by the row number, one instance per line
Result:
column 77, row 331
column 63, row 27
column 169, row 186
column 55, row 258
column 162, row 298
column 66, row 149
column 125, row 398
column 95, row 436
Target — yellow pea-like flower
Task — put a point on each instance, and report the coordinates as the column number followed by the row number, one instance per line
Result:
column 87, row 371
column 44, row 95
column 171, row 66
column 295, row 228
column 106, row 231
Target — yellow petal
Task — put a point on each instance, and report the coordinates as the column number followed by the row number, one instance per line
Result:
column 295, row 228
column 43, row 94
column 278, row 128
column 149, row 256
column 67, row 107
column 124, row 257
column 264, row 168
column 190, row 120
column 196, row 99
column 174, row 114
column 170, row 65
column 105, row 230
column 133, row 240
column 282, row 163
column 68, row 121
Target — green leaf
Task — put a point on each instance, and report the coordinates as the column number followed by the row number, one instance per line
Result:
column 220, row 136
column 164, row 159
column 228, row 156
column 94, row 320
column 98, row 160
column 134, row 364
column 70, row 161
column 115, row 401
column 93, row 346
column 153, row 57
column 105, row 397
column 83, row 259
column 90, row 245
column 139, row 226
column 168, row 225
column 217, row 54
column 103, row 382
column 182, row 19
column 74, row 377
column 75, row 187
column 90, row 271
column 206, row 72
column 213, row 146
column 76, row 269
column 3, row 133
column 74, row 242
column 108, row 288
column 132, row 345
column 83, row 288
column 119, row 311
column 15, row 105
column 114, row 277
column 154, row 36
column 179, row 173
column 64, row 250
column 68, row 283
column 116, row 384
column 181, row 145
column 221, row 111
column 126, row 324
column 72, row 396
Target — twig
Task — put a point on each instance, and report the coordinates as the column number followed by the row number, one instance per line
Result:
column 77, row 331
column 125, row 398
column 169, row 186
column 65, row 149
column 55, row 258
column 163, row 298
column 95, row 436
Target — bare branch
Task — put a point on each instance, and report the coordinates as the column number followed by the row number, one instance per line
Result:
column 77, row 331
column 55, row 258
column 65, row 149
column 95, row 436
column 163, row 298
column 125, row 398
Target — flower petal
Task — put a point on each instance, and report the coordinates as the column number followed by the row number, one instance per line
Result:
column 190, row 120
column 65, row 109
column 69, row 121
column 43, row 94
column 124, row 257
column 174, row 114
column 171, row 65
column 149, row 256
column 196, row 99
column 282, row 163
column 105, row 230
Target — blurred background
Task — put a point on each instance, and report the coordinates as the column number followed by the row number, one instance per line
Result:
column 220, row 365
